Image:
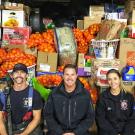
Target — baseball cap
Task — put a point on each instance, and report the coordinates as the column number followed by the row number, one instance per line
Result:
column 20, row 66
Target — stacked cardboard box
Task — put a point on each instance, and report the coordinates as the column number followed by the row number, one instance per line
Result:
column 131, row 22
column 16, row 36
column 126, row 51
column 129, row 5
column 80, row 24
column 12, row 18
column 24, row 48
column 84, row 65
column 129, row 86
column 101, row 67
column 15, row 20
column 89, row 20
column 96, row 11
column 95, row 15
column 46, row 62
column 127, row 55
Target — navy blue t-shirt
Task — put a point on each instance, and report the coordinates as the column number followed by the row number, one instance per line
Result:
column 19, row 104
column 0, row 106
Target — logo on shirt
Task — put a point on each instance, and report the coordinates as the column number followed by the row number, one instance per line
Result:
column 25, row 102
column 124, row 105
column 109, row 108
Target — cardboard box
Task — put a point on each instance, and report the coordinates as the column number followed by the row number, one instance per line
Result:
column 16, row 6
column 97, row 63
column 129, row 5
column 97, row 10
column 131, row 23
column 97, row 14
column 24, row 48
column 84, row 65
column 1, row 7
column 47, row 62
column 101, row 67
column 11, row 18
column 127, row 51
column 80, row 24
column 131, row 17
column 102, row 82
column 81, row 61
column 101, row 75
column 91, row 20
column 110, row 29
column 102, row 71
column 129, row 86
column 15, row 36
column 1, row 4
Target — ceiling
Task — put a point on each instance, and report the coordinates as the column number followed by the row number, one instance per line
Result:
column 34, row 3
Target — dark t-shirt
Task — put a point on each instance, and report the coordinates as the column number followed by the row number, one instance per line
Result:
column 70, row 93
column 117, row 97
column 0, row 106
column 19, row 104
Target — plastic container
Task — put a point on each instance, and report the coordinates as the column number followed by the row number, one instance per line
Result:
column 104, row 49
column 31, row 73
column 128, row 73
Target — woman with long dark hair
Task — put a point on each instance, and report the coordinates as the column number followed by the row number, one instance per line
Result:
column 115, row 110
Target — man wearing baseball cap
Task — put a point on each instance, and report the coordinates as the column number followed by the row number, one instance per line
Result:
column 21, row 67
column 25, row 105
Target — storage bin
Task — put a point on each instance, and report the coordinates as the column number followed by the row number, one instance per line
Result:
column 105, row 49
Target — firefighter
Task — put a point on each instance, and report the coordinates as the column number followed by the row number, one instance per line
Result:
column 115, row 108
column 69, row 109
column 24, row 105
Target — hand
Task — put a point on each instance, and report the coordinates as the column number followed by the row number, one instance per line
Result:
column 68, row 134
column 21, row 134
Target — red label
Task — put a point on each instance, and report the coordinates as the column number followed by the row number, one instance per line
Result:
column 16, row 36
